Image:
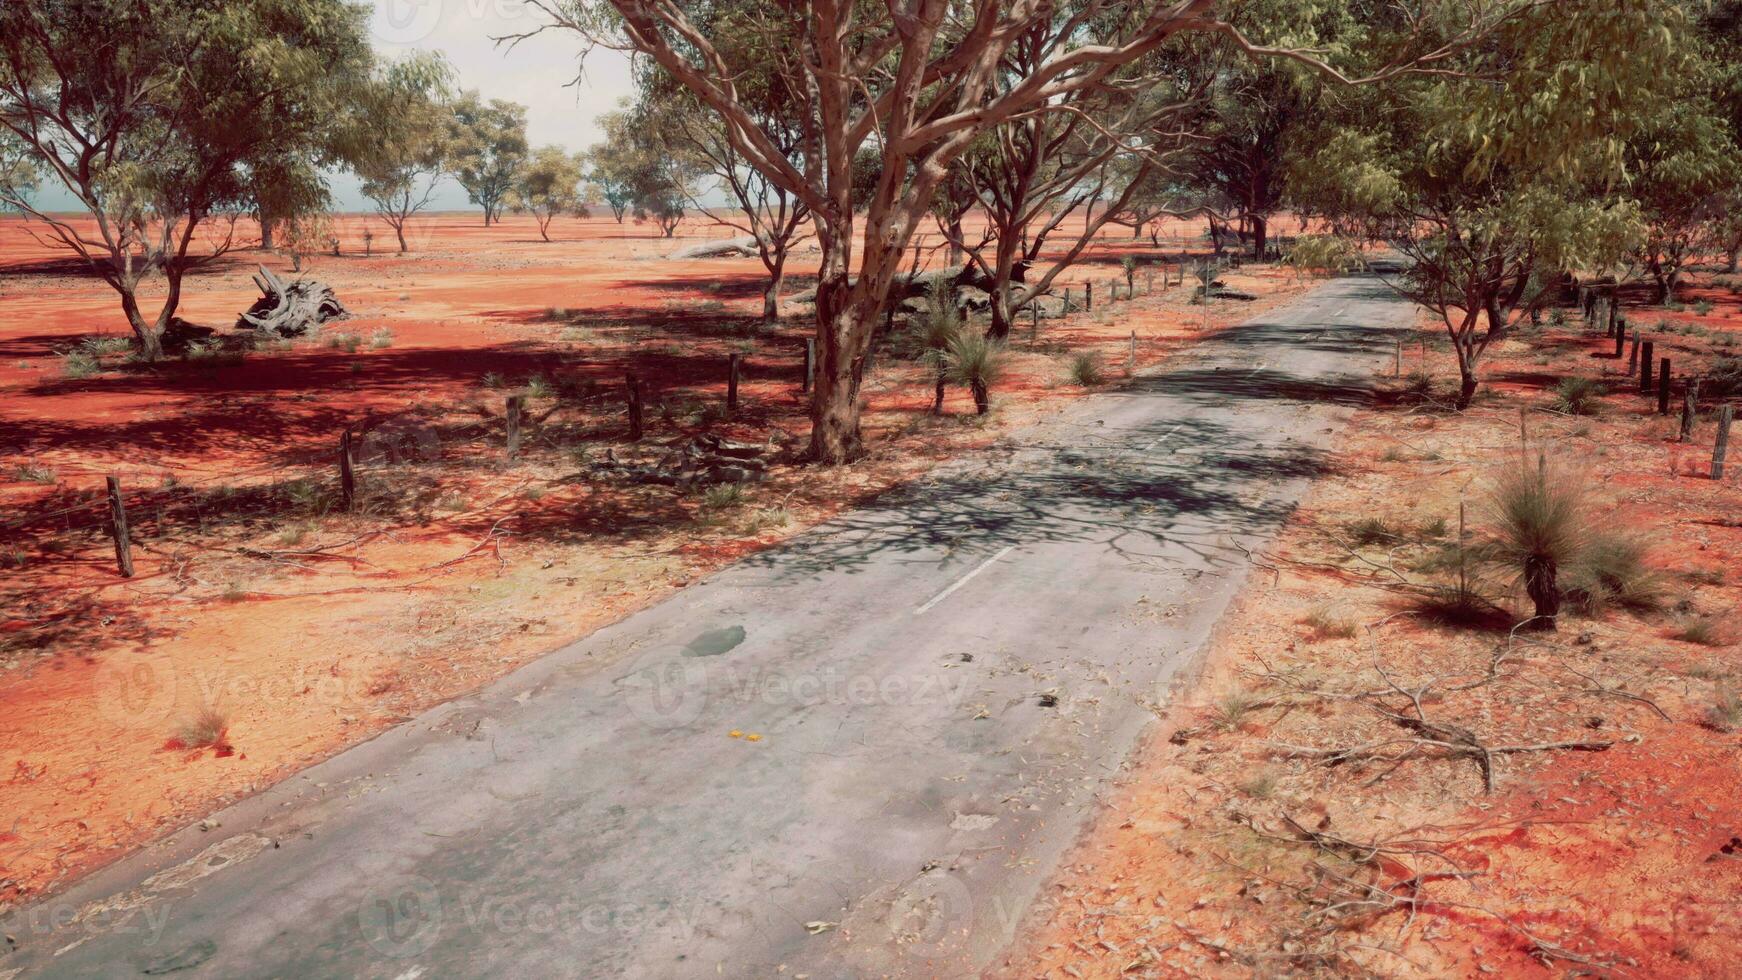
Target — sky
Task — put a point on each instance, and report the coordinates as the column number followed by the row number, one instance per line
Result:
column 533, row 73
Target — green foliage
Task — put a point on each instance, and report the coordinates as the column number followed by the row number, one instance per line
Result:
column 1578, row 396
column 644, row 166
column 1323, row 254
column 1086, row 370
column 486, row 149
column 160, row 116
column 976, row 362
column 1611, row 570
column 78, row 363
column 549, row 185
column 400, row 141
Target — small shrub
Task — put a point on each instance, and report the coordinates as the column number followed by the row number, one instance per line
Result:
column 1371, row 531
column 79, row 364
column 493, row 380
column 1326, row 624
column 1704, row 631
column 381, row 339
column 1703, row 307
column 31, row 473
column 1725, row 712
column 1723, row 380
column 308, row 496
column 1578, row 396
column 1539, row 515
column 538, row 387
column 976, row 362
column 342, row 340
column 102, row 346
column 1557, row 317
column 205, row 728
column 1086, row 370
column 722, row 495
column 1231, row 710
column 293, row 535
column 1611, row 570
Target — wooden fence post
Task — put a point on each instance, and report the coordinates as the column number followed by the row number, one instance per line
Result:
column 515, row 404
column 634, row 391
column 1690, row 409
column 1721, row 445
column 118, row 528
column 1088, row 296
column 810, row 364
column 1663, row 387
column 732, row 362
column 1067, row 309
column 1620, row 342
column 1034, row 320
column 347, row 472
column 1645, row 351
column 1149, row 280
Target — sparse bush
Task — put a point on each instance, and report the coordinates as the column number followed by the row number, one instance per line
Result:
column 1086, row 370
column 308, row 497
column 1723, row 379
column 381, row 339
column 1703, row 307
column 1611, row 570
column 493, row 380
column 102, row 346
column 207, row 727
column 976, row 362
column 342, row 340
column 1538, row 510
column 929, row 336
column 1557, row 317
column 31, row 473
column 1326, row 624
column 1231, row 710
column 722, row 496
column 1725, row 712
column 1705, row 631
column 1261, row 786
column 538, row 387
column 1578, row 396
column 79, row 364
column 1371, row 531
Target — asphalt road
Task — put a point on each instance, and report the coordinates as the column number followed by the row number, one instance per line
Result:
column 940, row 686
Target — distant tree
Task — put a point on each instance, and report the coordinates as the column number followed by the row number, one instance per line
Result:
column 1494, row 192
column 1254, row 109
column 647, row 163
column 486, row 149
column 152, row 114
column 307, row 233
column 549, row 185
column 760, row 208
column 283, row 188
column 611, row 165
column 399, row 143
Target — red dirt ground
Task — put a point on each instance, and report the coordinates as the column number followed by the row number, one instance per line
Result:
column 308, row 631
column 1624, row 862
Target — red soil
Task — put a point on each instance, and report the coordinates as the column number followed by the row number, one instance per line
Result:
column 309, row 632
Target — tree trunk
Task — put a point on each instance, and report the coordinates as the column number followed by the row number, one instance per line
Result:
column 982, row 397
column 1732, row 256
column 1260, row 237
column 1540, row 583
column 955, row 241
column 399, row 231
column 937, row 401
column 266, row 234
column 771, row 300
column 150, row 339
column 843, row 330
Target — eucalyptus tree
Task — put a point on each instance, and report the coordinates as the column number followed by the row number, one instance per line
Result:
column 399, row 144
column 548, row 185
column 152, row 114
column 773, row 216
column 915, row 79
column 1500, row 175
column 486, row 147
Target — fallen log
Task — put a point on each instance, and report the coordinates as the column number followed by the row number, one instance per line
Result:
column 743, row 246
column 291, row 309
